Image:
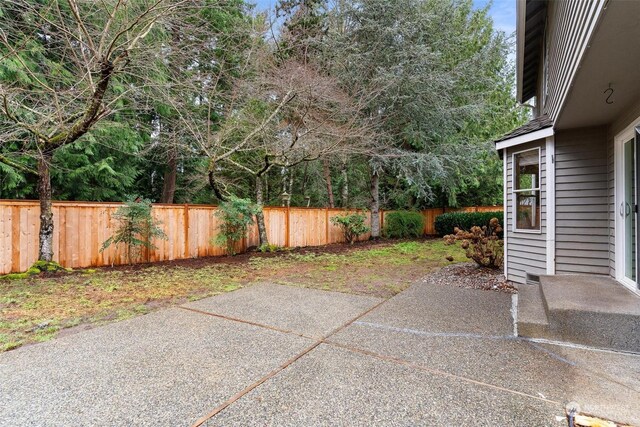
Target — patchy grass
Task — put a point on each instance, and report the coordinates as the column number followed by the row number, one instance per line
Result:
column 36, row 308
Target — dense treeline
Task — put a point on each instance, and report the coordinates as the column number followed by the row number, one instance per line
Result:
column 362, row 103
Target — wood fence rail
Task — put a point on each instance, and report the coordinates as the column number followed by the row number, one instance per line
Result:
column 80, row 228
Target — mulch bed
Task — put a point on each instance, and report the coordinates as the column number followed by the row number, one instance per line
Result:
column 471, row 276
column 334, row 248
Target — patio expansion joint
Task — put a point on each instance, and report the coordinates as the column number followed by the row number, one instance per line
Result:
column 280, row 368
column 420, row 367
column 247, row 322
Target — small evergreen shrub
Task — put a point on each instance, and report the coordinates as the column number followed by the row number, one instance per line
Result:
column 352, row 225
column 446, row 223
column 135, row 229
column 481, row 244
column 403, row 224
column 236, row 215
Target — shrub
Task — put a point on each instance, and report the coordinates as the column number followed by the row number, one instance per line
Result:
column 352, row 225
column 236, row 215
column 136, row 228
column 446, row 223
column 481, row 244
column 403, row 224
column 269, row 248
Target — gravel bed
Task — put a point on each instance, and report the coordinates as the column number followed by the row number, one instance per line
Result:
column 470, row 275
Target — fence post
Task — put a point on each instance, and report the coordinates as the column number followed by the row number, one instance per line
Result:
column 286, row 227
column 186, row 230
column 381, row 212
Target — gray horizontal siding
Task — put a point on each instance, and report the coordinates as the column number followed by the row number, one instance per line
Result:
column 582, row 199
column 527, row 252
column 611, row 205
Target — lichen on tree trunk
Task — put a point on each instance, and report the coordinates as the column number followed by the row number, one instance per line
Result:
column 375, row 205
column 262, row 229
column 45, row 252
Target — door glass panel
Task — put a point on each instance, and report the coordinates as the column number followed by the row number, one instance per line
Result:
column 628, row 210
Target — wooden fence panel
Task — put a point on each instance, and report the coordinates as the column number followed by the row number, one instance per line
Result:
column 276, row 224
column 80, row 229
column 307, row 227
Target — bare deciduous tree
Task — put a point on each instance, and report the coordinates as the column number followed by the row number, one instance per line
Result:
column 67, row 56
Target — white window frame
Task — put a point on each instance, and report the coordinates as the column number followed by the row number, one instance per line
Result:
column 514, row 192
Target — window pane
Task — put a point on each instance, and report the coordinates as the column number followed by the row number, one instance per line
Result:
column 527, row 168
column 528, row 210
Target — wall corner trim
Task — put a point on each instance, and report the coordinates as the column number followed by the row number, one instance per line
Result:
column 551, row 204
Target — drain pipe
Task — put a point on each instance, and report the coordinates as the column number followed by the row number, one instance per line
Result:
column 572, row 409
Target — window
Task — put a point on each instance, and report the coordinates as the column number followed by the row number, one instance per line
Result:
column 526, row 189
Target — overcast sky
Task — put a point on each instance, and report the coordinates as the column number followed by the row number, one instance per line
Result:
column 502, row 11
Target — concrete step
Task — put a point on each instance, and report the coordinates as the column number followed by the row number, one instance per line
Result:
column 532, row 318
column 591, row 310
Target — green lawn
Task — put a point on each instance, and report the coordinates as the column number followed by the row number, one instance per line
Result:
column 37, row 309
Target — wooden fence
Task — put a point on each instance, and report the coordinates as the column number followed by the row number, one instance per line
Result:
column 80, row 228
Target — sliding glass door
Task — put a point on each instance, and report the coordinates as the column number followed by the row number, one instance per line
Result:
column 627, row 206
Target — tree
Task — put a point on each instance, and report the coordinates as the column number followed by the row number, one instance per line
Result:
column 439, row 65
column 292, row 115
column 136, row 228
column 60, row 63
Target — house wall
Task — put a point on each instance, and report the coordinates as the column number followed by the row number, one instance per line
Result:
column 611, row 195
column 527, row 252
column 582, row 201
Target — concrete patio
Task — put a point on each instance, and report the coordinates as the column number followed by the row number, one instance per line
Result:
column 277, row 355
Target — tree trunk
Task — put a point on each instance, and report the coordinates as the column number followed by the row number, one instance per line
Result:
column 290, row 187
column 327, row 178
column 216, row 189
column 345, row 188
column 170, row 176
column 45, row 252
column 262, row 229
column 375, row 205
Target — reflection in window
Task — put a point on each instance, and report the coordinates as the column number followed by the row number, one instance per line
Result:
column 526, row 168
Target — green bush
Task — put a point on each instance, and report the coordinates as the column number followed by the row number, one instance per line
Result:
column 236, row 215
column 403, row 224
column 446, row 223
column 353, row 225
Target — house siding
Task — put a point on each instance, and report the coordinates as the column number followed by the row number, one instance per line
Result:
column 582, row 201
column 570, row 25
column 527, row 252
column 611, row 176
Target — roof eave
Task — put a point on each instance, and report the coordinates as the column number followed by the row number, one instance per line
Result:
column 523, row 139
column 521, row 9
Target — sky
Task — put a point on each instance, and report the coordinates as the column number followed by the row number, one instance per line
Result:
column 503, row 12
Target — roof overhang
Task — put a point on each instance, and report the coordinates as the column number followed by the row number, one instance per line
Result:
column 523, row 139
column 606, row 86
column 531, row 21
